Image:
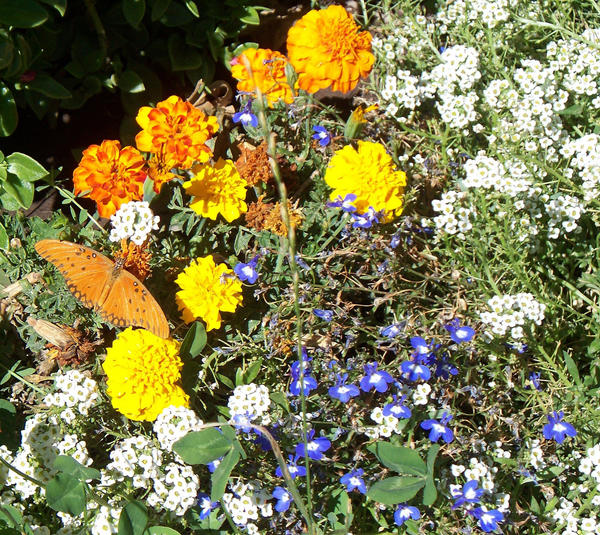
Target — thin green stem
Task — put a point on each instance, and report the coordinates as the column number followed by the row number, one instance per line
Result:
column 22, row 474
column 68, row 195
column 23, row 380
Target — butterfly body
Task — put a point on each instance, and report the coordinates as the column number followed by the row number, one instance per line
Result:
column 99, row 283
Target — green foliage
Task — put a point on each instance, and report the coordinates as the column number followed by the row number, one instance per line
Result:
column 18, row 172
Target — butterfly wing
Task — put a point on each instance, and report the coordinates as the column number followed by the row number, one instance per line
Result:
column 130, row 303
column 86, row 272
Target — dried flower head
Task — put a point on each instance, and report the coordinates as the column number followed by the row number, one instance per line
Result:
column 327, row 49
column 257, row 213
column 253, row 164
column 274, row 221
column 110, row 175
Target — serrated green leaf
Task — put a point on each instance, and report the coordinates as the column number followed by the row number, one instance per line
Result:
column 221, row 475
column 400, row 459
column 396, row 489
column 133, row 11
column 8, row 111
column 66, row 493
column 22, row 13
column 133, row 519
column 25, row 167
column 194, row 341
column 46, row 85
column 202, row 447
column 70, row 466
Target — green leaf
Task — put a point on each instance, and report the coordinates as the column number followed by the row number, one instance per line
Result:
column 225, row 380
column 8, row 421
column 20, row 190
column 572, row 367
column 280, row 399
column 8, row 111
column 69, row 466
column 39, row 104
column 183, row 57
column 4, row 247
column 251, row 16
column 11, row 516
column 133, row 519
column 46, row 85
column 159, row 7
column 221, row 475
column 191, row 5
column 252, row 372
column 59, row 5
column 134, row 10
column 161, row 530
column 194, row 341
column 202, row 447
column 400, row 459
column 66, row 493
column 575, row 109
column 430, row 491
column 131, row 82
column 22, row 13
column 7, row 49
column 25, row 167
column 397, row 489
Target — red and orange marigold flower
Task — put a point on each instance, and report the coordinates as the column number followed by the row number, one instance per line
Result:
column 111, row 175
column 327, row 49
column 268, row 74
column 177, row 131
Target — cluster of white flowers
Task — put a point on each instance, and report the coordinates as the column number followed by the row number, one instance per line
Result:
column 251, row 401
column 246, row 502
column 387, row 425
column 422, row 393
column 484, row 172
column 567, row 516
column 488, row 12
column 106, row 520
column 403, row 91
column 75, row 392
column 174, row 423
column 172, row 486
column 133, row 220
column 585, row 163
column 511, row 312
column 453, row 218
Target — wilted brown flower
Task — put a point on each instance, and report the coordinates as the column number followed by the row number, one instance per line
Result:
column 253, row 164
column 274, row 221
column 257, row 213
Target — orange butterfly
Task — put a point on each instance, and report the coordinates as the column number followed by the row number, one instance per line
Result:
column 98, row 282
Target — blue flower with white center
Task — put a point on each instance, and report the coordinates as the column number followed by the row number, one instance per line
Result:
column 310, row 384
column 326, row 315
column 293, row 467
column 315, row 447
column 391, row 331
column 353, row 480
column 439, row 429
column 342, row 391
column 556, row 429
column 206, row 506
column 444, row 368
column 284, row 499
column 212, row 466
column 468, row 494
column 322, row 135
column 422, row 348
column 458, row 333
column 374, row 378
column 243, row 422
column 534, row 379
column 245, row 116
column 346, row 204
column 367, row 219
column 415, row 369
column 395, row 240
column 487, row 520
column 404, row 512
column 247, row 272
column 397, row 409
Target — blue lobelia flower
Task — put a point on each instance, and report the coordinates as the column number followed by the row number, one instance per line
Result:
column 245, row 116
column 326, row 315
column 206, row 506
column 342, row 391
column 212, row 466
column 556, row 429
column 374, row 378
column 444, row 368
column 415, row 369
column 346, row 204
column 404, row 512
column 310, row 383
column 487, row 520
column 393, row 330
column 422, row 348
column 397, row 409
column 534, row 379
column 353, row 480
column 322, row 135
column 468, row 494
column 247, row 272
column 284, row 499
column 367, row 219
column 293, row 467
column 315, row 447
column 439, row 429
column 458, row 333
column 243, row 422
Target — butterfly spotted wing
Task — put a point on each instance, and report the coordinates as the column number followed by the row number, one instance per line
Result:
column 99, row 283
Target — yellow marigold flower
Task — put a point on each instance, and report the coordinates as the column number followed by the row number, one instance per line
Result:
column 369, row 173
column 327, row 49
column 111, row 175
column 217, row 189
column 207, row 289
column 176, row 129
column 142, row 374
column 268, row 74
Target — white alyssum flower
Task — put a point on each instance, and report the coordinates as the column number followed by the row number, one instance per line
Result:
column 174, row 423
column 251, row 400
column 133, row 220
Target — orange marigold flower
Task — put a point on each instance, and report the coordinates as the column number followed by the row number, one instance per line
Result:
column 176, row 129
column 268, row 74
column 112, row 176
column 159, row 169
column 327, row 49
